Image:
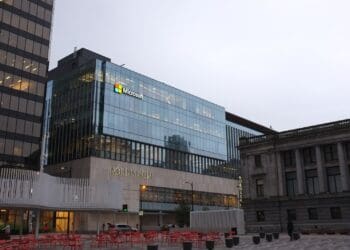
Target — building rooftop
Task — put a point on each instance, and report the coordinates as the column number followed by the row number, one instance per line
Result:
column 295, row 133
column 247, row 123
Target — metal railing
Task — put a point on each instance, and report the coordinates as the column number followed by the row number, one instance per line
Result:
column 30, row 189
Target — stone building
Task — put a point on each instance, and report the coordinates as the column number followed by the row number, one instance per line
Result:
column 301, row 175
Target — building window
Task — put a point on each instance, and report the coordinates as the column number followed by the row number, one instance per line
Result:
column 333, row 179
column 259, row 187
column 335, row 213
column 257, row 161
column 330, row 152
column 288, row 158
column 260, row 215
column 347, row 149
column 312, row 213
column 291, row 214
column 175, row 196
column 291, row 183
column 309, row 156
column 312, row 181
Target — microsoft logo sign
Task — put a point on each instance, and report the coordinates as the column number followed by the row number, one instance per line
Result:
column 118, row 88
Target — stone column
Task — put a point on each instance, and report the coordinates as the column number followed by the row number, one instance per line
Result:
column 20, row 221
column 280, row 174
column 37, row 224
column 300, row 172
column 320, row 170
column 160, row 219
column 98, row 223
column 343, row 167
column 245, row 166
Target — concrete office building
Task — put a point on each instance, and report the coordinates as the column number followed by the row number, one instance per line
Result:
column 300, row 175
column 25, row 27
column 165, row 146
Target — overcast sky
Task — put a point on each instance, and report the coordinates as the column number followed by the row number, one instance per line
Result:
column 280, row 63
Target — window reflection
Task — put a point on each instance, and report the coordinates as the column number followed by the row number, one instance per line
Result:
column 177, row 196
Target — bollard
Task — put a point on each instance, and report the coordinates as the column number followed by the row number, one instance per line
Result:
column 152, row 247
column 229, row 242
column 296, row 236
column 235, row 241
column 256, row 239
column 269, row 237
column 187, row 245
column 209, row 244
column 276, row 235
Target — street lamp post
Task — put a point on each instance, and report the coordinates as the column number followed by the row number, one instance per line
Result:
column 142, row 189
column 191, row 183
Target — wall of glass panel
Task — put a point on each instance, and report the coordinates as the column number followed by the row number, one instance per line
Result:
column 178, row 196
column 126, row 150
column 233, row 132
column 71, row 115
column 76, row 123
column 166, row 116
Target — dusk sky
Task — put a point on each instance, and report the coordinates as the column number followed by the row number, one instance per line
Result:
column 277, row 62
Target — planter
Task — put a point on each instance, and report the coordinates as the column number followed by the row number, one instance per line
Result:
column 209, row 244
column 296, row 236
column 269, row 237
column 235, row 241
column 229, row 242
column 152, row 247
column 276, row 235
column 262, row 235
column 187, row 245
column 256, row 239
column 4, row 236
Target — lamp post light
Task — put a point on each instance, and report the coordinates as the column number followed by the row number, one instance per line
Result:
column 191, row 183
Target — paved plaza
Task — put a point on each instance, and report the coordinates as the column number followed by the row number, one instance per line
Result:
column 306, row 242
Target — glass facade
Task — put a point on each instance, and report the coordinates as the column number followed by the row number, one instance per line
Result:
column 24, row 48
column 234, row 131
column 97, row 108
column 178, row 196
column 165, row 117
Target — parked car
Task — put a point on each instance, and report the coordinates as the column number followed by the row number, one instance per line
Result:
column 110, row 226
column 124, row 228
column 167, row 227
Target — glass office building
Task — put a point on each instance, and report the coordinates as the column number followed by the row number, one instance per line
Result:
column 97, row 108
column 106, row 122
column 162, row 126
column 237, row 127
column 24, row 48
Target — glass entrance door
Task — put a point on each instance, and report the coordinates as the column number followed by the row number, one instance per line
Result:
column 64, row 220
